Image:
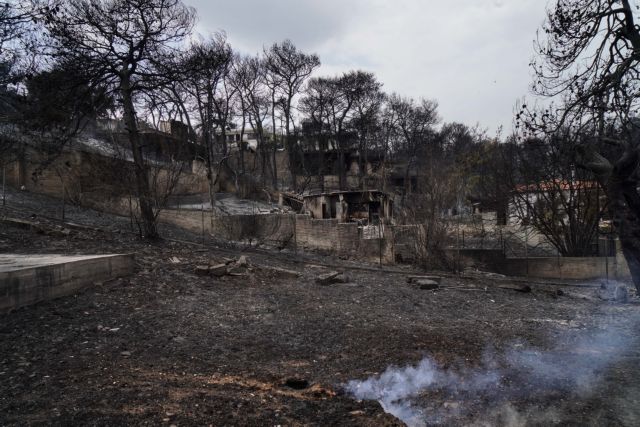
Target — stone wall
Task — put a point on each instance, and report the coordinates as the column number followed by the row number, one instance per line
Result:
column 301, row 231
column 80, row 175
column 342, row 239
column 272, row 229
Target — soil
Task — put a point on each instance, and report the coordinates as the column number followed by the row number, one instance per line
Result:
column 166, row 346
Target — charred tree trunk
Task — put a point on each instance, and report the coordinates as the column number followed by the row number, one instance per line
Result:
column 321, row 167
column 341, row 170
column 274, row 144
column 341, row 161
column 263, row 153
column 241, row 147
column 291, row 149
column 143, row 188
column 624, row 207
column 210, row 177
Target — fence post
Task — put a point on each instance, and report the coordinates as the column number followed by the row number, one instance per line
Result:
column 606, row 258
column 295, row 234
column 63, row 200
column 4, row 199
column 458, row 262
column 526, row 249
column 202, row 213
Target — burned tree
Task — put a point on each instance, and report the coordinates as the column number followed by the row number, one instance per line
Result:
column 552, row 194
column 287, row 70
column 357, row 98
column 16, row 24
column 366, row 123
column 16, row 46
column 316, row 105
column 250, row 79
column 589, row 53
column 206, row 65
column 341, row 112
column 413, row 124
column 121, row 44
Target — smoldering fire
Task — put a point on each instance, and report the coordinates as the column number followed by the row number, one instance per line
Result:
column 575, row 365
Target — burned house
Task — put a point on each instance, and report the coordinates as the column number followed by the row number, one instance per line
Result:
column 366, row 207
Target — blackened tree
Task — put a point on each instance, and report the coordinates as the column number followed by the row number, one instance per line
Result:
column 205, row 66
column 287, row 70
column 589, row 54
column 250, row 80
column 413, row 123
column 121, row 44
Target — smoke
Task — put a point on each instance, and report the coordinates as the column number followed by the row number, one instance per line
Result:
column 396, row 387
column 576, row 366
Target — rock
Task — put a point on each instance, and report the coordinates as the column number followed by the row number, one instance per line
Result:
column 342, row 278
column 202, row 270
column 218, row 270
column 415, row 279
column 282, row 272
column 327, row 278
column 125, row 353
column 54, row 232
column 237, row 269
column 427, row 284
column 451, row 405
column 516, row 287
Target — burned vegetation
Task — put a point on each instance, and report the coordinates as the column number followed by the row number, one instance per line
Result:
column 193, row 236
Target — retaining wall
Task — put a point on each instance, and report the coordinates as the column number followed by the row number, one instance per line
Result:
column 571, row 268
column 26, row 280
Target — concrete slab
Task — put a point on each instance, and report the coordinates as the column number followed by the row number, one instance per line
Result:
column 27, row 279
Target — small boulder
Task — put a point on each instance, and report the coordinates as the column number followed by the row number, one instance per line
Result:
column 415, row 279
column 218, row 270
column 342, row 278
column 427, row 284
column 327, row 278
column 282, row 272
column 202, row 270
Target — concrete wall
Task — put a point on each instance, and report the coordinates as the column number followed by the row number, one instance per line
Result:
column 566, row 268
column 27, row 285
column 572, row 268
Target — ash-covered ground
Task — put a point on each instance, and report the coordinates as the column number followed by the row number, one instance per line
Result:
column 169, row 347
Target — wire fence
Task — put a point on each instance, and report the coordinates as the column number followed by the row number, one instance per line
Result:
column 514, row 240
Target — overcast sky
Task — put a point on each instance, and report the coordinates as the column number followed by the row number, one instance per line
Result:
column 471, row 56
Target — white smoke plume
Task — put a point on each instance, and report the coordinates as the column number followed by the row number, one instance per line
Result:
column 575, row 366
